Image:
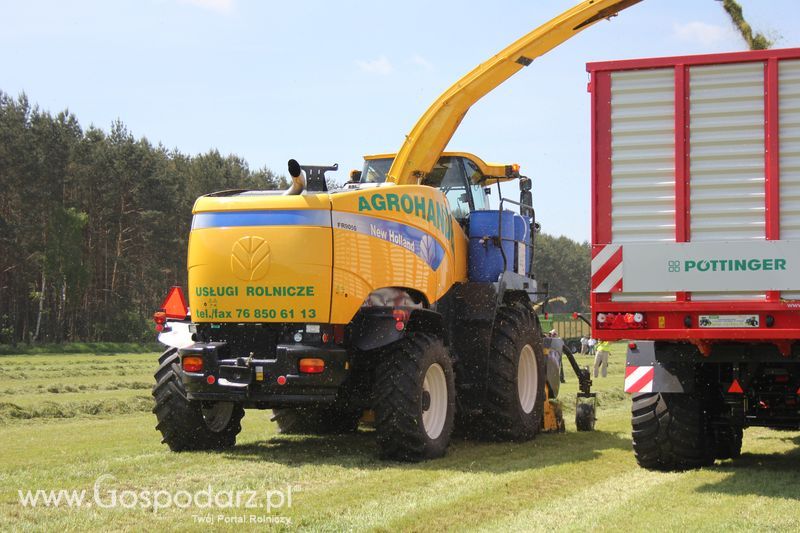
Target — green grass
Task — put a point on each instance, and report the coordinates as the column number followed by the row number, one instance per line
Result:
column 78, row 348
column 575, row 481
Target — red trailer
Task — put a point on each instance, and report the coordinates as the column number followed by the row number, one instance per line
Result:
column 696, row 245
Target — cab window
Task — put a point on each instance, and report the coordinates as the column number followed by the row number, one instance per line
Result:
column 375, row 170
column 476, row 180
column 448, row 176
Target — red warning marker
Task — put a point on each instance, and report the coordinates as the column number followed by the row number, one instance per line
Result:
column 735, row 388
column 174, row 304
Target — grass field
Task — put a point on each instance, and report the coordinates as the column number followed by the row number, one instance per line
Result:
column 68, row 421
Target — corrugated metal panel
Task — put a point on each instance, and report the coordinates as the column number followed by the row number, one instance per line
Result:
column 643, row 162
column 727, row 152
column 789, row 104
column 726, row 136
column 643, row 156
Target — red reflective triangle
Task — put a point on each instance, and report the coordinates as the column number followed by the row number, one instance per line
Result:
column 174, row 305
column 735, row 388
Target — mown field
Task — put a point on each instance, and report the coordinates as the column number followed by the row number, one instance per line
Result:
column 70, row 420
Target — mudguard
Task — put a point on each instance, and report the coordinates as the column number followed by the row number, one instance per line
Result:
column 656, row 367
column 375, row 327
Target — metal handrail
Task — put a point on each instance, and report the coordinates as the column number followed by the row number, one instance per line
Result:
column 500, row 231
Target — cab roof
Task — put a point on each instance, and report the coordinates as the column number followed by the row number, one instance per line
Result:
column 494, row 172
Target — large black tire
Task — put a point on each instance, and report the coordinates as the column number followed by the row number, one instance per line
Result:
column 727, row 442
column 323, row 420
column 670, row 432
column 403, row 405
column 512, row 409
column 186, row 425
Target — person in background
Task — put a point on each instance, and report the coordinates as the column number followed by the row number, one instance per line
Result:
column 591, row 343
column 601, row 359
column 584, row 345
column 557, row 351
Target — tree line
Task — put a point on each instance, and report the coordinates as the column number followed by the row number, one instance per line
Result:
column 94, row 227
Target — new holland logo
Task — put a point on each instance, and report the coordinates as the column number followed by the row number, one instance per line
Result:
column 250, row 258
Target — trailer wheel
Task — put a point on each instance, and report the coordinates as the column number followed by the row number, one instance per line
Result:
column 414, row 399
column 186, row 425
column 727, row 442
column 670, row 432
column 324, row 420
column 585, row 417
column 515, row 396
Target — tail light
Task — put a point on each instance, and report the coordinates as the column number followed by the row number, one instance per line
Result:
column 192, row 363
column 400, row 317
column 160, row 318
column 621, row 320
column 311, row 365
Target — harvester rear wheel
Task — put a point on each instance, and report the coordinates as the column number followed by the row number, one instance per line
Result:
column 670, row 432
column 414, row 399
column 186, row 425
column 324, row 420
column 514, row 402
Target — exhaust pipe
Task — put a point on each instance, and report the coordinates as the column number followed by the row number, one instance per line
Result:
column 298, row 179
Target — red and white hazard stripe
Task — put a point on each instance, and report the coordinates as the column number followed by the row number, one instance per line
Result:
column 639, row 378
column 607, row 268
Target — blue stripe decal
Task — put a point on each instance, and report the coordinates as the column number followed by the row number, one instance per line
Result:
column 421, row 243
column 295, row 217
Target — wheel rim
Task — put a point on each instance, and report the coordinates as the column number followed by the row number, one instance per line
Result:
column 217, row 415
column 527, row 379
column 435, row 385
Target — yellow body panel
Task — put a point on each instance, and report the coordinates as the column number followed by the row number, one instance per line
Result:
column 390, row 237
column 316, row 257
column 259, row 264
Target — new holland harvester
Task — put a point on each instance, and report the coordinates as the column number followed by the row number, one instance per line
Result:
column 401, row 296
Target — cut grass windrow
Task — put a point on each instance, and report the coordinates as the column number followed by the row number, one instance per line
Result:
column 47, row 409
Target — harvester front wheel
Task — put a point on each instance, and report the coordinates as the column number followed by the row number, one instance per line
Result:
column 186, row 425
column 670, row 432
column 414, row 399
column 515, row 396
column 324, row 420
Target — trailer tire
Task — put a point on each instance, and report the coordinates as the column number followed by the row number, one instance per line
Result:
column 515, row 393
column 187, row 425
column 323, row 420
column 728, row 442
column 670, row 432
column 415, row 399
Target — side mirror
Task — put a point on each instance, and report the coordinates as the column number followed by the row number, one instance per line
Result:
column 525, row 183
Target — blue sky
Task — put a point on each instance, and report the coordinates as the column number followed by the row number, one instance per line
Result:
column 327, row 82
